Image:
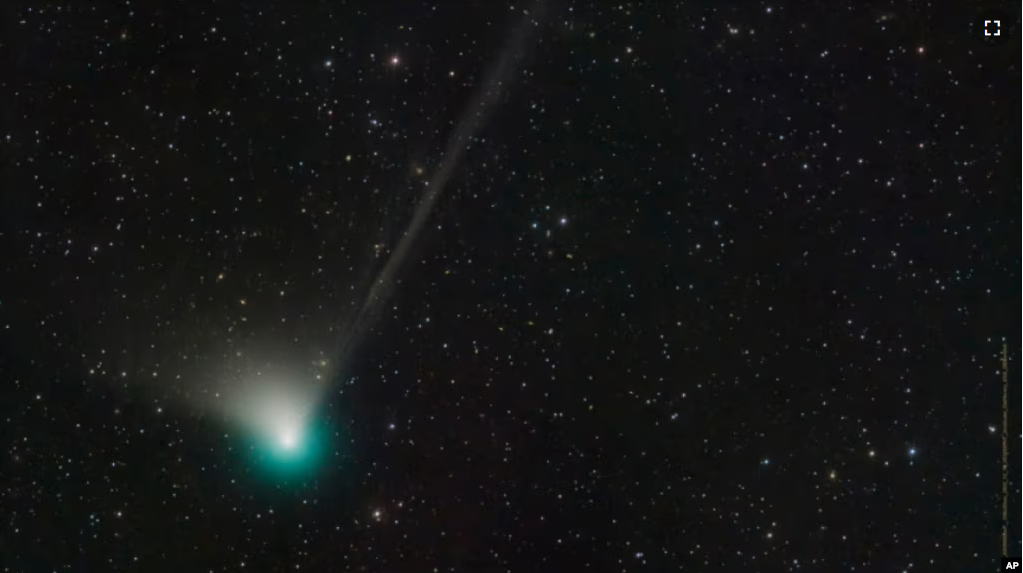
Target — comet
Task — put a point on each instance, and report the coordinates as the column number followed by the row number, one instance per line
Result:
column 278, row 410
column 277, row 407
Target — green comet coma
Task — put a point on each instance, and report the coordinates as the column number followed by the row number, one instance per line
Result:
column 291, row 453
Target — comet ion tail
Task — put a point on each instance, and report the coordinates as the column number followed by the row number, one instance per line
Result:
column 488, row 95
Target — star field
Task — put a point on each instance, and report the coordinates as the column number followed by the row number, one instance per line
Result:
column 566, row 286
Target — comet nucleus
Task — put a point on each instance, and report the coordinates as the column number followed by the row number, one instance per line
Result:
column 277, row 412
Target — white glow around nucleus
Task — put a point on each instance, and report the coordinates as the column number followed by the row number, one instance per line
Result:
column 289, row 439
column 276, row 409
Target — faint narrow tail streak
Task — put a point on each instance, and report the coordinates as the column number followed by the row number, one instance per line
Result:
column 472, row 120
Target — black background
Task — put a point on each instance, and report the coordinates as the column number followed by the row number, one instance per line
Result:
column 790, row 240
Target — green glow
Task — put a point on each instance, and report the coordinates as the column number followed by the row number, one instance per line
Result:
column 290, row 453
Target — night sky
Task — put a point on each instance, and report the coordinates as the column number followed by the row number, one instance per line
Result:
column 470, row 286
